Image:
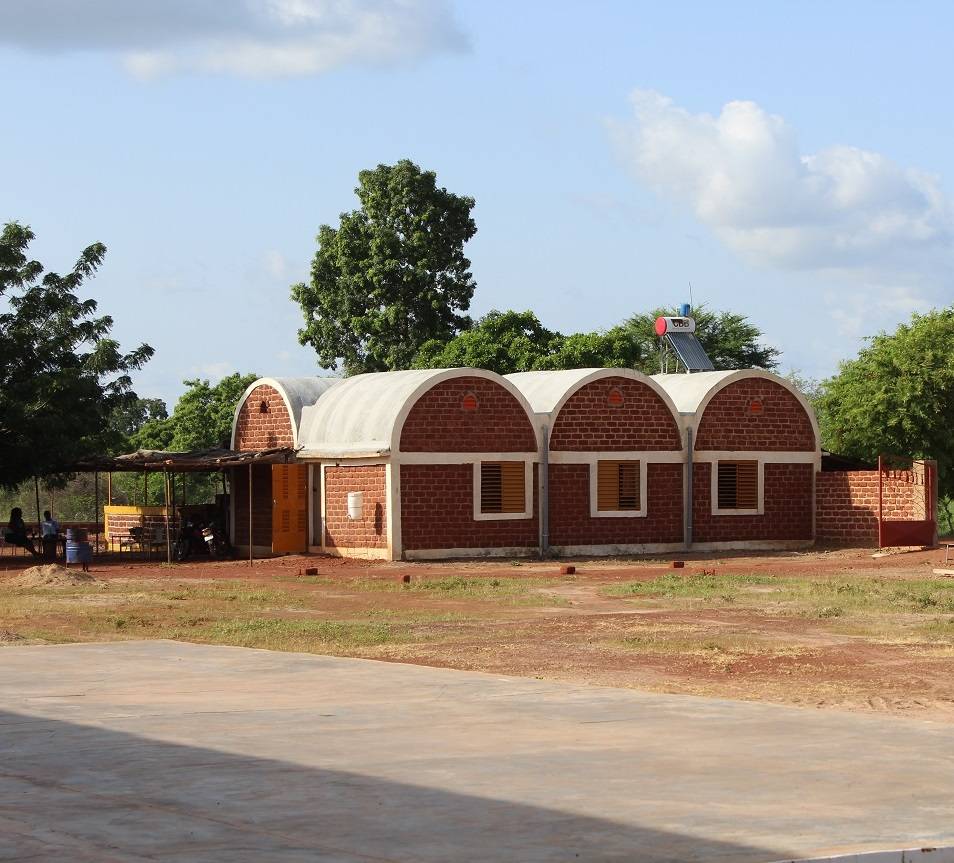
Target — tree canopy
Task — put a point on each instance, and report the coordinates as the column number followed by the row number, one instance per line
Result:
column 392, row 275
column 897, row 397
column 62, row 378
column 201, row 419
column 516, row 341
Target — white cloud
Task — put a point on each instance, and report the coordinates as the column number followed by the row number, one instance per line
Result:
column 253, row 38
column 742, row 174
column 214, row 371
column 276, row 265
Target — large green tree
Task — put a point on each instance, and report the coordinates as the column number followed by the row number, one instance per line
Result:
column 516, row 341
column 392, row 275
column 897, row 397
column 201, row 419
column 62, row 377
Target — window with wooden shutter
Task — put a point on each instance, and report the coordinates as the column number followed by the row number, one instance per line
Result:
column 617, row 486
column 503, row 487
column 738, row 485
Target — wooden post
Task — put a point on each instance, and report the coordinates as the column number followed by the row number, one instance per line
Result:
column 109, row 488
column 250, row 514
column 96, row 507
column 39, row 526
column 168, row 538
column 142, row 514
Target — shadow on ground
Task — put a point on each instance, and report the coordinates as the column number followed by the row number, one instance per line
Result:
column 78, row 793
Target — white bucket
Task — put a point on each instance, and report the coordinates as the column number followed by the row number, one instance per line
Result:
column 355, row 504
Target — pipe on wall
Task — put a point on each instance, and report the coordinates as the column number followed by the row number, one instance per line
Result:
column 688, row 509
column 544, row 502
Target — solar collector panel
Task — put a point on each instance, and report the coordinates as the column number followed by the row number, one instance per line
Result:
column 690, row 352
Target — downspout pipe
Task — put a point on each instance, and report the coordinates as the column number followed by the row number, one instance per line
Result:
column 688, row 520
column 544, row 492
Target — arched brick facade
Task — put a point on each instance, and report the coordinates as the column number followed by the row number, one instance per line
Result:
column 440, row 422
column 257, row 429
column 589, row 421
column 755, row 414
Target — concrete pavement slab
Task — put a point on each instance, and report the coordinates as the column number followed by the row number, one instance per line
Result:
column 167, row 751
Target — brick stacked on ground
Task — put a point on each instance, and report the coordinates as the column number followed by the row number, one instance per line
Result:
column 371, row 530
column 437, row 511
column 439, row 422
column 571, row 524
column 847, row 504
column 588, row 422
column 788, row 507
column 258, row 429
column 729, row 423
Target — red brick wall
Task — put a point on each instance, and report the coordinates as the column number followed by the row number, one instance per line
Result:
column 788, row 507
column 371, row 531
column 119, row 524
column 255, row 430
column 588, row 423
column 439, row 423
column 729, row 424
column 571, row 524
column 261, row 505
column 846, row 504
column 437, row 511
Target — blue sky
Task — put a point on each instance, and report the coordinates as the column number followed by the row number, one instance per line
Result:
column 792, row 160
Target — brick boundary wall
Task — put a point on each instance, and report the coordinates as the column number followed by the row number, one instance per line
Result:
column 437, row 511
column 846, row 504
column 261, row 505
column 255, row 430
column 788, row 507
column 118, row 524
column 587, row 422
column 438, row 421
column 371, row 531
column 728, row 422
column 571, row 523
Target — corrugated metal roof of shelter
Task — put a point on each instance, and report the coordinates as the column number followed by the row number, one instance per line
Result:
column 688, row 390
column 357, row 417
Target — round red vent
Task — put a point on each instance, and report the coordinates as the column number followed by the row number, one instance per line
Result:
column 755, row 406
column 469, row 402
column 615, row 397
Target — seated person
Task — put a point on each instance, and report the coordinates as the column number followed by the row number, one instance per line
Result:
column 16, row 533
column 49, row 535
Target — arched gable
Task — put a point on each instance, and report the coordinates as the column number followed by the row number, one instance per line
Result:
column 755, row 413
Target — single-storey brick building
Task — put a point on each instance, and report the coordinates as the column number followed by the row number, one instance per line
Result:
column 464, row 462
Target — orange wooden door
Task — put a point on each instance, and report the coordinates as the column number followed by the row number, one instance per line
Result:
column 289, row 507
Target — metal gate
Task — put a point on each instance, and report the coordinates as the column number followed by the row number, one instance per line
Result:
column 910, row 490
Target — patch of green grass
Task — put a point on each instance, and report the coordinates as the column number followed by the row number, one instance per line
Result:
column 279, row 634
column 509, row 591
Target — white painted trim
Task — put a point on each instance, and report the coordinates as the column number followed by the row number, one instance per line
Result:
column 617, row 513
column 760, row 482
column 622, row 548
column 389, row 521
column 442, row 553
column 324, row 500
column 462, row 457
column 647, row 456
column 363, row 461
column 754, row 545
column 764, row 456
column 527, row 493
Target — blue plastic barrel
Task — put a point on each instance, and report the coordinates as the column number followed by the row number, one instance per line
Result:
column 78, row 552
column 76, row 534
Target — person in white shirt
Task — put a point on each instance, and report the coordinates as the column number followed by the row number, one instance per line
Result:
column 49, row 535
